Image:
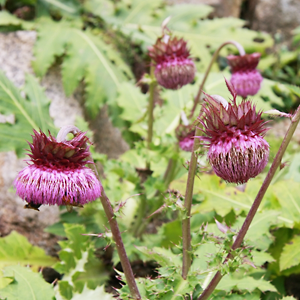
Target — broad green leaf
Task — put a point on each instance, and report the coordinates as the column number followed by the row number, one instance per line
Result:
column 8, row 19
column 30, row 113
column 290, row 255
column 287, row 193
column 87, row 56
column 66, row 7
column 294, row 89
column 163, row 256
column 167, row 117
column 132, row 101
column 15, row 249
column 260, row 224
column 248, row 283
column 26, row 283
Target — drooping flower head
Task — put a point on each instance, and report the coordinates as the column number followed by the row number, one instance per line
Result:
column 235, row 133
column 185, row 135
column 56, row 172
column 245, row 78
column 174, row 68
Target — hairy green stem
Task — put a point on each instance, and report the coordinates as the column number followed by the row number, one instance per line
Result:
column 197, row 98
column 239, row 239
column 150, row 110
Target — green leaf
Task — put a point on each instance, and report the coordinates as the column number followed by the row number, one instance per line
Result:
column 294, row 89
column 8, row 19
column 30, row 113
column 287, row 193
column 248, row 283
column 26, row 283
column 87, row 56
column 132, row 101
column 290, row 255
column 96, row 294
column 162, row 256
column 15, row 249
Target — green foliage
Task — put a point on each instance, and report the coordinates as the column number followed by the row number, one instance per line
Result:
column 27, row 113
column 78, row 263
column 290, row 254
column 87, row 56
column 142, row 21
column 15, row 249
column 26, row 283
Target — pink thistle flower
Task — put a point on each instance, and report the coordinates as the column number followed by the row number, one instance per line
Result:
column 57, row 173
column 235, row 133
column 185, row 135
column 245, row 78
column 174, row 68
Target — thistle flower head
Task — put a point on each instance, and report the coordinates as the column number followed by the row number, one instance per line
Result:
column 245, row 78
column 234, row 135
column 174, row 68
column 185, row 135
column 56, row 172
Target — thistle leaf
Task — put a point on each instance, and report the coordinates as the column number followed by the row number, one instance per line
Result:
column 290, row 255
column 87, row 57
column 30, row 113
column 16, row 249
column 26, row 283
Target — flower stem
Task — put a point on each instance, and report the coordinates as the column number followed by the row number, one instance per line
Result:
column 111, row 219
column 150, row 110
column 120, row 246
column 186, row 234
column 197, row 98
column 239, row 239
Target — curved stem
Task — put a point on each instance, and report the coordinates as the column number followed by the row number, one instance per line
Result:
column 111, row 219
column 150, row 110
column 197, row 98
column 239, row 239
column 186, row 234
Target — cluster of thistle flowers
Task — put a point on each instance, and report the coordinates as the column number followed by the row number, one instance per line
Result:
column 234, row 134
column 57, row 173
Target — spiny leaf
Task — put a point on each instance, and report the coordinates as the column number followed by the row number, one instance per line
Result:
column 290, row 255
column 15, row 248
column 87, row 57
column 26, row 283
column 29, row 114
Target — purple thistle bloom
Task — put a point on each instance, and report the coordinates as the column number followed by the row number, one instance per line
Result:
column 57, row 173
column 174, row 68
column 235, row 138
column 245, row 78
column 185, row 135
